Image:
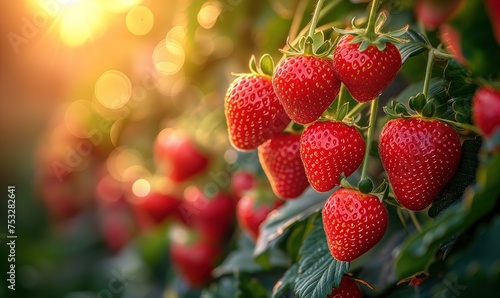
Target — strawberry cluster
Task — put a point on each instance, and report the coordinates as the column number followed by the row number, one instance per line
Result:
column 296, row 117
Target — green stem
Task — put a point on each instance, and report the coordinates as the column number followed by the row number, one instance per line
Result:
column 369, row 137
column 370, row 28
column 415, row 221
column 428, row 72
column 314, row 21
column 441, row 55
column 358, row 107
column 461, row 125
column 341, row 100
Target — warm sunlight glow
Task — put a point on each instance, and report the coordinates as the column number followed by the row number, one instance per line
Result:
column 80, row 21
column 140, row 20
column 113, row 89
column 168, row 57
column 119, row 6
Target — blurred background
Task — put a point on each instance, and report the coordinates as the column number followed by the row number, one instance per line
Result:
column 85, row 89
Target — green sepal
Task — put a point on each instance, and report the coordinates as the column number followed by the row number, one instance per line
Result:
column 342, row 112
column 310, row 46
column 344, row 183
column 266, row 65
column 400, row 109
column 382, row 191
column 429, row 109
column 390, row 112
column 417, row 102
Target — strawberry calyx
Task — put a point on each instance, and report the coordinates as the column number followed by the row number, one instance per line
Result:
column 314, row 45
column 365, row 186
column 368, row 36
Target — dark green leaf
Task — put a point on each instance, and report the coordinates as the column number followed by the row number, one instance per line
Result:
column 241, row 259
column 277, row 226
column 461, row 90
column 287, row 281
column 465, row 176
column 416, row 45
column 318, row 272
column 249, row 288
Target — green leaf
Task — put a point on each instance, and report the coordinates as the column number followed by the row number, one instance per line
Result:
column 342, row 112
column 276, row 228
column 241, row 259
column 287, row 281
column 266, row 64
column 416, row 45
column 318, row 271
column 249, row 288
column 252, row 65
column 465, row 176
column 419, row 250
column 461, row 90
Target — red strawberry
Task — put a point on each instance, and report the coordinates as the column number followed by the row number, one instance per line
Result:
column 241, row 182
column 253, row 112
column 452, row 42
column 433, row 13
column 194, row 258
column 253, row 208
column 354, row 222
column 365, row 74
column 329, row 149
column 486, row 110
column 347, row 288
column 176, row 152
column 420, row 156
column 306, row 86
column 158, row 206
column 493, row 9
column 280, row 160
column 212, row 216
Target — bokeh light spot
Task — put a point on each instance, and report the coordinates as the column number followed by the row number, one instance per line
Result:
column 208, row 14
column 141, row 188
column 113, row 89
column 168, row 57
column 139, row 20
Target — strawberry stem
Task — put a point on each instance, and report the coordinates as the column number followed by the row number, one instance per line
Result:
column 461, row 125
column 370, row 28
column 358, row 107
column 415, row 221
column 428, row 72
column 369, row 137
column 314, row 21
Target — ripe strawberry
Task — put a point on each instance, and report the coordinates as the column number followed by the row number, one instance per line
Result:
column 452, row 42
column 433, row 13
column 329, row 149
column 493, row 9
column 194, row 258
column 177, row 153
column 157, row 206
column 306, row 86
column 365, row 74
column 212, row 216
column 253, row 112
column 252, row 209
column 486, row 110
column 420, row 156
column 354, row 222
column 347, row 288
column 280, row 160
column 241, row 182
